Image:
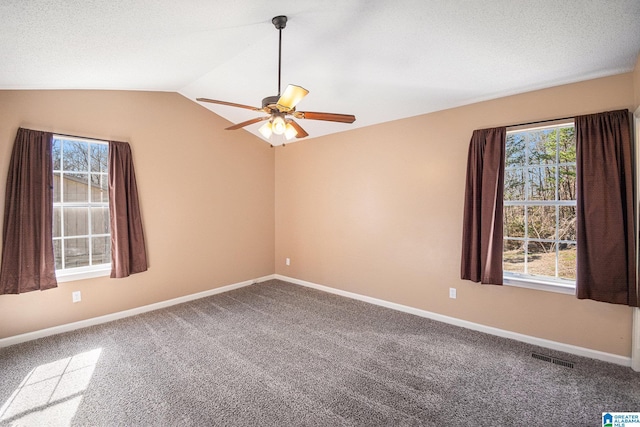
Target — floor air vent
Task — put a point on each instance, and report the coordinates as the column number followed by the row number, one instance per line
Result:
column 553, row 360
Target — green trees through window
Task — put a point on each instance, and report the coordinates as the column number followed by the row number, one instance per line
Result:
column 540, row 203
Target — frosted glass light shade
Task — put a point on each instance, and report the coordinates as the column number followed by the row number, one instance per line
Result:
column 266, row 130
column 278, row 126
column 290, row 131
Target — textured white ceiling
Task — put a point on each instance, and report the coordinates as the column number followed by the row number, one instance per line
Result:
column 380, row 60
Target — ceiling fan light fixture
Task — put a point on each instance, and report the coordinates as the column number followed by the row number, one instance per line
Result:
column 266, row 130
column 290, row 98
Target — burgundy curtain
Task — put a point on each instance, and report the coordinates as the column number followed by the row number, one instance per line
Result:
column 605, row 218
column 128, row 254
column 483, row 200
column 27, row 246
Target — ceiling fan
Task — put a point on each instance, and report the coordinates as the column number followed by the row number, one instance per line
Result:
column 281, row 106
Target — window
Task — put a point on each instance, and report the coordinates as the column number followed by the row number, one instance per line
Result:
column 81, row 230
column 540, row 206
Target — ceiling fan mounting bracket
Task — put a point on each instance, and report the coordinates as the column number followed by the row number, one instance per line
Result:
column 280, row 22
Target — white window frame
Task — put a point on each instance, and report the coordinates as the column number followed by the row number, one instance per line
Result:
column 542, row 283
column 90, row 271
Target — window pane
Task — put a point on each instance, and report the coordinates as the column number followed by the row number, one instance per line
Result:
column 567, row 261
column 99, row 188
column 541, row 259
column 76, row 221
column 76, row 187
column 542, row 222
column 57, row 222
column 513, row 221
column 57, row 253
column 542, row 147
column 55, row 151
column 76, row 252
column 567, row 223
column 567, row 183
column 515, row 155
column 567, row 145
column 513, row 256
column 101, row 247
column 514, row 184
column 76, row 156
column 100, row 220
column 542, row 183
column 56, row 187
column 99, row 156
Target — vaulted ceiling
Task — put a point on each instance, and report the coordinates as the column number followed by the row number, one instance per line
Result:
column 380, row 60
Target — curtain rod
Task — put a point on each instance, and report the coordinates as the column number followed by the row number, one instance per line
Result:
column 540, row 121
column 561, row 118
column 79, row 137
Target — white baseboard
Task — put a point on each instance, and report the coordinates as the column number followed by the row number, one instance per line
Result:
column 554, row 345
column 16, row 339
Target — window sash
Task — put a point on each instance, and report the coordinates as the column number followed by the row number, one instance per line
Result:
column 539, row 281
column 89, row 205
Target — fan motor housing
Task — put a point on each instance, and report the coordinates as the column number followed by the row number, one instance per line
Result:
column 270, row 100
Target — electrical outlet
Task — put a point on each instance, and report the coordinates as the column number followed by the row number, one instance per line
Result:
column 452, row 293
column 76, row 296
column 287, row 261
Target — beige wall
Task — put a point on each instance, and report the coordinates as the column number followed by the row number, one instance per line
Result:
column 207, row 198
column 378, row 211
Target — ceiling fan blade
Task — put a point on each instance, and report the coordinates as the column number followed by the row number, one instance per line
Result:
column 331, row 117
column 230, row 104
column 301, row 132
column 290, row 98
column 248, row 122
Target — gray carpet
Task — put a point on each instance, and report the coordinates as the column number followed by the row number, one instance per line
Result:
column 277, row 354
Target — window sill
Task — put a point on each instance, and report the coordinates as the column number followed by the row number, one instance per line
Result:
column 81, row 273
column 540, row 285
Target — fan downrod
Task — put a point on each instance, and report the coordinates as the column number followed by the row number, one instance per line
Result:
column 280, row 22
